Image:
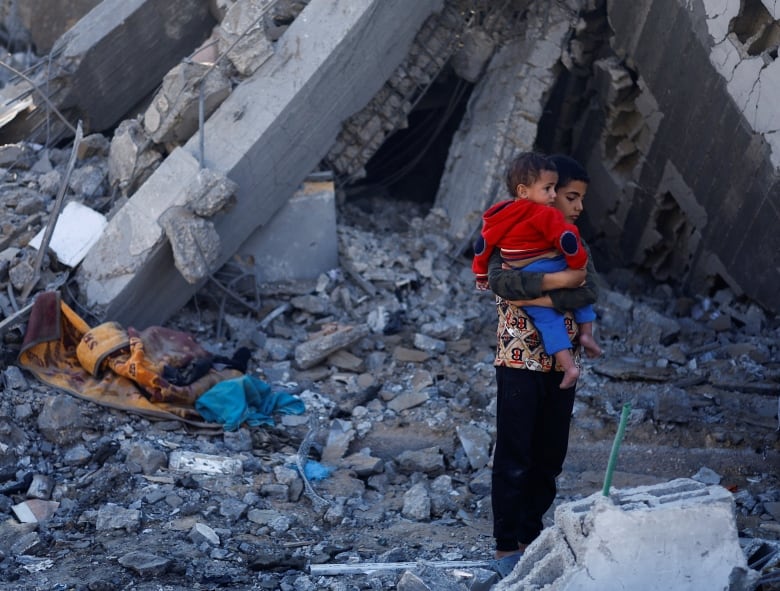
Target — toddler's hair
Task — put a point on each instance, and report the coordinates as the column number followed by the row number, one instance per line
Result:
column 526, row 169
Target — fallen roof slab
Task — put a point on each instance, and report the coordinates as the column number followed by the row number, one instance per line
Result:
column 267, row 137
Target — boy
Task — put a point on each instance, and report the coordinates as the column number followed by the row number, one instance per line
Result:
column 533, row 412
column 531, row 235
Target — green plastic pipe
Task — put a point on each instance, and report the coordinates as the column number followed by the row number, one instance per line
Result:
column 615, row 448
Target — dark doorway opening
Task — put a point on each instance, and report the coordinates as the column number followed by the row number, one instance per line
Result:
column 409, row 164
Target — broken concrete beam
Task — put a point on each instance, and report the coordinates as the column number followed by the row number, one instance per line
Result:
column 505, row 109
column 110, row 60
column 267, row 137
column 320, row 346
column 141, row 225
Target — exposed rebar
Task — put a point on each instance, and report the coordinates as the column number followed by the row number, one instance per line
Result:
column 615, row 448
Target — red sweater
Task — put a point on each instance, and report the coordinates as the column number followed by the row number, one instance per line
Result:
column 523, row 230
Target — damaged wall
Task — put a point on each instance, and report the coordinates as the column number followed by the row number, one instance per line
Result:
column 670, row 106
column 684, row 168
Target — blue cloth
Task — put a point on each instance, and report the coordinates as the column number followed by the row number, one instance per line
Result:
column 245, row 399
column 548, row 321
column 315, row 471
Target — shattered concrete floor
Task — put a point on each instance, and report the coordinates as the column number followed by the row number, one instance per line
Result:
column 127, row 520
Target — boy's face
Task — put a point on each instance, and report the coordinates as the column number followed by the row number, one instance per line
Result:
column 542, row 191
column 569, row 200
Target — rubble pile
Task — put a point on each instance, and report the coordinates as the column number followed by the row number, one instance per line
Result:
column 383, row 482
column 390, row 462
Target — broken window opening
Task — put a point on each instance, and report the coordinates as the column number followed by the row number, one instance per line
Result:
column 669, row 258
column 755, row 28
column 409, row 164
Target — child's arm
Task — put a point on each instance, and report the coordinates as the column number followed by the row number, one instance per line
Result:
column 564, row 236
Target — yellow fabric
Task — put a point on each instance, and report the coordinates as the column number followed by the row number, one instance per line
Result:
column 99, row 343
column 56, row 335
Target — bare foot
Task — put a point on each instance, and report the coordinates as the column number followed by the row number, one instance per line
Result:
column 590, row 345
column 570, row 377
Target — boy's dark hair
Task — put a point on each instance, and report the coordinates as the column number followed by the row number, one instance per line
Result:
column 526, row 169
column 568, row 170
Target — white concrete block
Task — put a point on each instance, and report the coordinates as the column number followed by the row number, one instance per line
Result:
column 679, row 535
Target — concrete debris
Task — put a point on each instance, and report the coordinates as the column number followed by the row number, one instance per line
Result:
column 194, row 242
column 189, row 91
column 639, row 535
column 266, row 106
column 132, row 157
column 242, row 35
column 102, row 66
column 380, row 333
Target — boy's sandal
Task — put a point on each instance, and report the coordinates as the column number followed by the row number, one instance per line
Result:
column 504, row 566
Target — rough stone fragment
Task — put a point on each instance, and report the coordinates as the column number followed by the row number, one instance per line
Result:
column 195, row 243
column 131, row 157
column 60, row 421
column 476, row 443
column 146, row 564
column 174, row 114
column 320, row 346
column 243, row 38
column 112, row 516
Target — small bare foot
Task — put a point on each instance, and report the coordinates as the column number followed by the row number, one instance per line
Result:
column 590, row 345
column 570, row 377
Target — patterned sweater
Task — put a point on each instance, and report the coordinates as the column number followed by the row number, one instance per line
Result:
column 518, row 341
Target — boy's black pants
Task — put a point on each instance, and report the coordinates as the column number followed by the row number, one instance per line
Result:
column 532, row 437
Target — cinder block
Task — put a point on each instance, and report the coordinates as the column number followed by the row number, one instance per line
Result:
column 300, row 240
column 679, row 535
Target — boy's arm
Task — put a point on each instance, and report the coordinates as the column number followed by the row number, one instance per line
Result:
column 571, row 299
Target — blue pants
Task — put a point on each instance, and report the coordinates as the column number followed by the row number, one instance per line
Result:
column 548, row 321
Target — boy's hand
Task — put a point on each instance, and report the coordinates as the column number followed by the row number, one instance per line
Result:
column 482, row 285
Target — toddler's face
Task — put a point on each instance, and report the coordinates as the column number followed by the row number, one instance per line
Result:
column 542, row 191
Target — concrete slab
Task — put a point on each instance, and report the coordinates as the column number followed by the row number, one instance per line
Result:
column 310, row 245
column 679, row 535
column 109, row 61
column 267, row 137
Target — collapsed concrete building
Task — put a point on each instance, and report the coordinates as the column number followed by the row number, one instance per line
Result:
column 224, row 109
